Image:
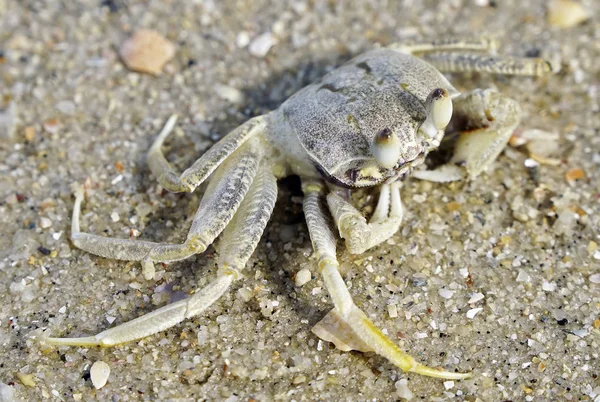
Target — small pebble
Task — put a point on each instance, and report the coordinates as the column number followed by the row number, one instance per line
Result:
column 44, row 250
column 65, row 107
column 531, row 163
column 45, row 223
column 114, row 216
column 448, row 384
column 242, row 39
column 548, row 286
column 52, row 126
column 117, row 179
column 392, row 310
column 228, row 93
column 403, row 391
column 299, row 379
column 11, row 199
column 245, row 294
column 445, row 293
column 574, row 174
column 6, row 393
column 147, row 51
column 8, row 117
column 148, row 270
column 260, row 46
column 595, row 278
column 473, row 312
column 99, row 374
column 566, row 13
column 523, row 276
column 26, row 379
column 29, row 133
column 302, row 277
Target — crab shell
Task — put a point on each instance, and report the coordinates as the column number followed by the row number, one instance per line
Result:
column 336, row 119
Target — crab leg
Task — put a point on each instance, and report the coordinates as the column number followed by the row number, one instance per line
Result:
column 222, row 198
column 346, row 324
column 445, row 44
column 353, row 227
column 445, row 54
column 493, row 118
column 206, row 164
column 240, row 238
column 506, row 65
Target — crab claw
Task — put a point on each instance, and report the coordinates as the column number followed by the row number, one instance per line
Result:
column 356, row 332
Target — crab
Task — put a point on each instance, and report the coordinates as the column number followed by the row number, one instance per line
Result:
column 368, row 123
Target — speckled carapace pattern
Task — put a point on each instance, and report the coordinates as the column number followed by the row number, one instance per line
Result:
column 491, row 276
column 337, row 118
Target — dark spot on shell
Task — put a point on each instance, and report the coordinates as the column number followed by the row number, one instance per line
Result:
column 329, row 87
column 353, row 122
column 364, row 66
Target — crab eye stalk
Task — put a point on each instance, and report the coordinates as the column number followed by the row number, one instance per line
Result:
column 386, row 148
column 439, row 108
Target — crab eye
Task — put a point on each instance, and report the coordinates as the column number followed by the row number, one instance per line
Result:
column 439, row 108
column 386, row 148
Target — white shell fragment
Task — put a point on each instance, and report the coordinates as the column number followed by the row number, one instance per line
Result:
column 8, row 119
column 445, row 293
column 403, row 391
column 99, row 374
column 523, row 276
column 230, row 94
column 147, row 51
column 475, row 298
column 148, row 270
column 473, row 312
column 333, row 328
column 566, row 13
column 302, row 277
column 260, row 46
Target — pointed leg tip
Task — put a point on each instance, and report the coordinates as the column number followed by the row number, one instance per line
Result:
column 84, row 341
column 432, row 372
